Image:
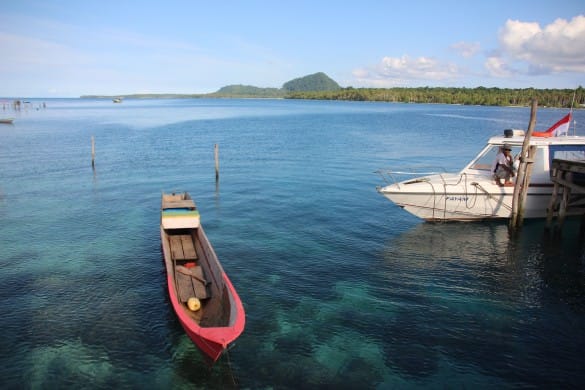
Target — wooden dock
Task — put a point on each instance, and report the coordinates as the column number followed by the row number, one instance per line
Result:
column 568, row 177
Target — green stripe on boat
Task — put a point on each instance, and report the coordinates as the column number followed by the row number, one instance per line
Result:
column 180, row 213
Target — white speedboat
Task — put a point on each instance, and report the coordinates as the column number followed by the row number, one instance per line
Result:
column 472, row 194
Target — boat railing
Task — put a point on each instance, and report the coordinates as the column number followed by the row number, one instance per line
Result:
column 392, row 176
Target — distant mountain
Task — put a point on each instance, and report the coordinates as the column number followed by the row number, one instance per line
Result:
column 318, row 82
column 314, row 82
column 247, row 91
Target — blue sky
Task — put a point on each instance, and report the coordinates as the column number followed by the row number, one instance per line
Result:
column 71, row 48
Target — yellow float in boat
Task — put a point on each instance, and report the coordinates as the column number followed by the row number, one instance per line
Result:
column 194, row 304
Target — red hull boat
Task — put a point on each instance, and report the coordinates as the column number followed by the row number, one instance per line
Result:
column 203, row 297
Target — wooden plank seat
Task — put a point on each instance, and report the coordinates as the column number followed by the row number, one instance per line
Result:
column 182, row 247
column 191, row 283
column 188, row 248
column 178, row 204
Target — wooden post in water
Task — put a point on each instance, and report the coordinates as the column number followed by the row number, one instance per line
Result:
column 216, row 162
column 92, row 152
column 524, row 172
column 525, row 184
column 550, row 210
column 565, row 200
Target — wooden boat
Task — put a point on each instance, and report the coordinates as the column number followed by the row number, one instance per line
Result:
column 6, row 121
column 204, row 299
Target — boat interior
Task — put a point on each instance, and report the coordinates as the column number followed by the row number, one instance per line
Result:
column 194, row 278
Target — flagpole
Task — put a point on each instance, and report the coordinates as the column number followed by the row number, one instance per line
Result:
column 571, row 112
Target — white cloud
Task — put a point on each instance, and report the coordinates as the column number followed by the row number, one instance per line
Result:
column 557, row 48
column 392, row 71
column 525, row 49
column 497, row 67
column 466, row 49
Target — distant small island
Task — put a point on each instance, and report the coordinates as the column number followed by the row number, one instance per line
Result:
column 319, row 86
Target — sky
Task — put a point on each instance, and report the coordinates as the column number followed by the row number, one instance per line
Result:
column 64, row 48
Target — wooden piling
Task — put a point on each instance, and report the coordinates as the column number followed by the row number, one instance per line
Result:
column 565, row 200
column 525, row 184
column 566, row 176
column 216, row 149
column 550, row 210
column 524, row 173
column 92, row 152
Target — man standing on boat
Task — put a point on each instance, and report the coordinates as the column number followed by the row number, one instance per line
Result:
column 503, row 167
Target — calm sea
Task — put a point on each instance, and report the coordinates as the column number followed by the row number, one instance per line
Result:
column 342, row 288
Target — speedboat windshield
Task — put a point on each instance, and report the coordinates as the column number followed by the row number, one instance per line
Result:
column 486, row 159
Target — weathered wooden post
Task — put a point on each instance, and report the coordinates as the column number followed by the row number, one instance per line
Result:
column 550, row 210
column 523, row 175
column 565, row 200
column 92, row 152
column 525, row 184
column 216, row 162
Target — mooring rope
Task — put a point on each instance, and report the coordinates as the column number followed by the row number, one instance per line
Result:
column 227, row 352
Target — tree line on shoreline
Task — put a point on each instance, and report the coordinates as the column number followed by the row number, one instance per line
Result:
column 562, row 98
column 319, row 86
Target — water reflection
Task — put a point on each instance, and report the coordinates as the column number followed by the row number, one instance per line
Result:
column 468, row 295
column 486, row 259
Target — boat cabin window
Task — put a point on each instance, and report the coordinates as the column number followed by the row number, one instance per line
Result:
column 485, row 162
column 539, row 168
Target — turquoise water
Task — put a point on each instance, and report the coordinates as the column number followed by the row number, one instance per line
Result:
column 342, row 289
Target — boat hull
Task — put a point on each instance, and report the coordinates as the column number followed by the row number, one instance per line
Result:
column 457, row 198
column 221, row 319
column 212, row 344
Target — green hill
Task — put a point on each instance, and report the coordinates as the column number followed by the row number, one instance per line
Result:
column 314, row 82
column 318, row 82
column 240, row 90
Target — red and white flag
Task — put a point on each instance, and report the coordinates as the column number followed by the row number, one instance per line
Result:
column 556, row 130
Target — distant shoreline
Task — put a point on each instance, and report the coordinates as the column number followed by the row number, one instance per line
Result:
column 480, row 96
